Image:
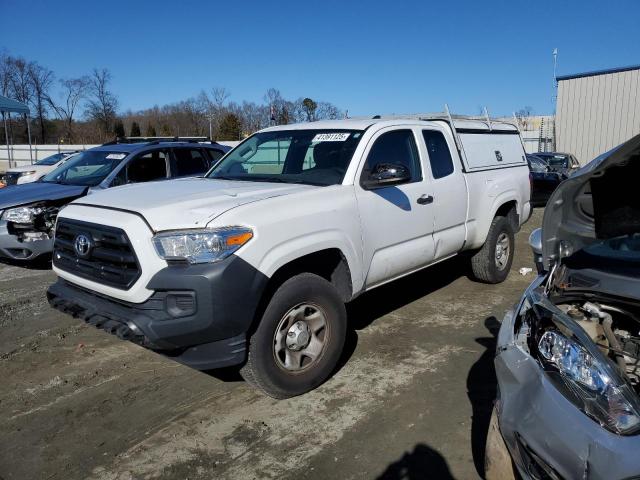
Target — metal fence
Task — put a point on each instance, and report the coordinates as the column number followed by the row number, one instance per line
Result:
column 21, row 155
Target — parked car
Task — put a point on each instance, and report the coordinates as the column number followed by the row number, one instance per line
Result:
column 28, row 212
column 252, row 265
column 31, row 173
column 563, row 163
column 568, row 355
column 543, row 180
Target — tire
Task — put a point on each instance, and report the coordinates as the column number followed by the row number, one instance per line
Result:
column 498, row 464
column 484, row 263
column 278, row 361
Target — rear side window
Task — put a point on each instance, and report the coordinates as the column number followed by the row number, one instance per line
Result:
column 439, row 154
column 189, row 162
column 397, row 147
column 215, row 155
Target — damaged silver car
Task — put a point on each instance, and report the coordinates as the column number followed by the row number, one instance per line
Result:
column 568, row 355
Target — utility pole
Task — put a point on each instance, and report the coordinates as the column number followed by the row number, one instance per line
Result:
column 554, row 97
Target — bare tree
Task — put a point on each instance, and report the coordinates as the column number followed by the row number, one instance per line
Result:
column 6, row 68
column 102, row 104
column 327, row 111
column 41, row 79
column 220, row 95
column 73, row 91
column 523, row 115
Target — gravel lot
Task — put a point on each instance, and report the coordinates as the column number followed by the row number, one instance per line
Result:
column 411, row 399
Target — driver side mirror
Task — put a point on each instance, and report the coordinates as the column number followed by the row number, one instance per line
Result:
column 535, row 242
column 386, row 175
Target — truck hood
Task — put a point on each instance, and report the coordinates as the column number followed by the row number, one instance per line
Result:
column 16, row 195
column 189, row 202
column 598, row 202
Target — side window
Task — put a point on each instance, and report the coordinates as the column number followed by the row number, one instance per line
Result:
column 189, row 162
column 439, row 154
column 147, row 167
column 397, row 147
column 214, row 155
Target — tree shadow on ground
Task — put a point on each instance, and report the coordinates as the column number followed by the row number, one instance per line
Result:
column 422, row 463
column 482, row 389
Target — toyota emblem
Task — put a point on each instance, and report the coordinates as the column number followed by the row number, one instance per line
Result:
column 82, row 245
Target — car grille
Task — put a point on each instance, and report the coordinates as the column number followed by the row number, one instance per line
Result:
column 110, row 260
column 11, row 178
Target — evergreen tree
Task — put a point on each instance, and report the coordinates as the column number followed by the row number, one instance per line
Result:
column 135, row 129
column 118, row 129
column 151, row 131
column 230, row 127
column 165, row 130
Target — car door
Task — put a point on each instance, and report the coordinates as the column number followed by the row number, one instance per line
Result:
column 188, row 162
column 397, row 221
column 449, row 192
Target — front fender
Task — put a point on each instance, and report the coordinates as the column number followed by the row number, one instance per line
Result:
column 293, row 248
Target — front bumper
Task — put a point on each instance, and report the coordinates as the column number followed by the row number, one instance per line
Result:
column 11, row 247
column 546, row 432
column 198, row 315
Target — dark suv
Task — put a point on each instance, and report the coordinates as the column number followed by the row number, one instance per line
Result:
column 28, row 212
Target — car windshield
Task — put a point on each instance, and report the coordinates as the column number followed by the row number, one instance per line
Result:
column 557, row 160
column 313, row 157
column 87, row 168
column 52, row 160
column 537, row 164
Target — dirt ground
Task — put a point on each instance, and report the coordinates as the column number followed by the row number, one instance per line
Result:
column 411, row 399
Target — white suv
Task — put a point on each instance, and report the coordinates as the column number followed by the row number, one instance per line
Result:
column 253, row 263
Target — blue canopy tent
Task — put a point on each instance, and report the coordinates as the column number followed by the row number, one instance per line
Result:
column 7, row 106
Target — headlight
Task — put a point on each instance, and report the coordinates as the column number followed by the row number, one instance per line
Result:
column 586, row 377
column 201, row 246
column 21, row 214
column 24, row 174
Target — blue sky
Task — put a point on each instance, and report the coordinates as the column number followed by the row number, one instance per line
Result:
column 367, row 57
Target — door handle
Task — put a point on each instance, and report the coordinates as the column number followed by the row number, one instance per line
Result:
column 425, row 199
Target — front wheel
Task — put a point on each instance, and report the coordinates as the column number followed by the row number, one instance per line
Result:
column 299, row 339
column 491, row 264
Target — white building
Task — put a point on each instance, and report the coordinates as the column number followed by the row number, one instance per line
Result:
column 596, row 111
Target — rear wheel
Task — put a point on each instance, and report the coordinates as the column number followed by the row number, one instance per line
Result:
column 491, row 264
column 497, row 460
column 299, row 339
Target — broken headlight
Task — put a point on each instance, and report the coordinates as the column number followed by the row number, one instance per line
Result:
column 580, row 370
column 21, row 214
column 201, row 246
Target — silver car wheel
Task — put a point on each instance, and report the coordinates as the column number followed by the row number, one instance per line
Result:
column 503, row 250
column 300, row 338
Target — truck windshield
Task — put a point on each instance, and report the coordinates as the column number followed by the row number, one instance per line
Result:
column 87, row 168
column 313, row 157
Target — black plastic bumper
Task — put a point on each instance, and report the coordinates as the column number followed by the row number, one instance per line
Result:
column 198, row 315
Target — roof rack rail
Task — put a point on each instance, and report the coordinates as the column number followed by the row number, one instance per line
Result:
column 154, row 140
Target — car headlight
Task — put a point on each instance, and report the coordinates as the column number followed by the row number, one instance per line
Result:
column 587, row 378
column 24, row 174
column 201, row 246
column 21, row 214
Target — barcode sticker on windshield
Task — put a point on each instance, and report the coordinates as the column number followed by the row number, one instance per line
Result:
column 116, row 156
column 330, row 137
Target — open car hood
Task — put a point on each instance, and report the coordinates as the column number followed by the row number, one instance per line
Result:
column 599, row 201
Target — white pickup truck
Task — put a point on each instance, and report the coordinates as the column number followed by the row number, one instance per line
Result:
column 252, row 264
